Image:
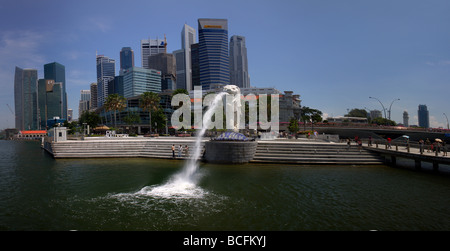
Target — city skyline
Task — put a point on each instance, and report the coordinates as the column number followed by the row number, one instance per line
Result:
column 334, row 54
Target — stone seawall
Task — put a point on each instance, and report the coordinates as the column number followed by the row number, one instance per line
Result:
column 280, row 151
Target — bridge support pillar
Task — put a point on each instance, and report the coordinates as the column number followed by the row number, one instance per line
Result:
column 393, row 160
column 435, row 166
column 418, row 164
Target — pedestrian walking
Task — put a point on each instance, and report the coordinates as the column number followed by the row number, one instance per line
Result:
column 360, row 145
column 444, row 149
column 173, row 151
column 389, row 143
column 370, row 141
column 421, row 145
column 180, row 150
column 428, row 143
column 348, row 144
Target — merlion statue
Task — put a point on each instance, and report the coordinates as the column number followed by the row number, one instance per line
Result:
column 233, row 106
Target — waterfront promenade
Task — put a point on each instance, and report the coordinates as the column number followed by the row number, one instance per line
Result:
column 285, row 151
column 411, row 152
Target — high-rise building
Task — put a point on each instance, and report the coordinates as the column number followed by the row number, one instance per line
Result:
column 50, row 101
column 195, row 66
column 138, row 80
column 126, row 59
column 183, row 57
column 85, row 99
column 213, row 52
column 165, row 62
column 238, row 62
column 116, row 85
column 424, row 117
column 106, row 71
column 93, row 103
column 151, row 47
column 25, row 99
column 57, row 72
column 405, row 119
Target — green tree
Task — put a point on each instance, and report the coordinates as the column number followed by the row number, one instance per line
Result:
column 115, row 102
column 293, row 126
column 361, row 113
column 383, row 121
column 149, row 102
column 90, row 118
column 309, row 114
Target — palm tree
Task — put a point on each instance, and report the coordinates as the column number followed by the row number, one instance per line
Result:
column 115, row 102
column 149, row 102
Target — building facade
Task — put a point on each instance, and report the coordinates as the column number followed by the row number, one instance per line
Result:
column 151, row 47
column 93, row 103
column 106, row 71
column 238, row 62
column 126, row 59
column 85, row 100
column 25, row 99
column 214, row 61
column 50, row 101
column 57, row 72
column 405, row 119
column 138, row 80
column 424, row 117
column 166, row 63
column 183, row 57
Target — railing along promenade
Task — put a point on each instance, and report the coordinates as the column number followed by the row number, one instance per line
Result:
column 431, row 153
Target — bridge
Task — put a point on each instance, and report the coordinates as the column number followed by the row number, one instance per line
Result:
column 412, row 152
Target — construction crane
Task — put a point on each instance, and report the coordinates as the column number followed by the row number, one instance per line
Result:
column 10, row 109
column 165, row 44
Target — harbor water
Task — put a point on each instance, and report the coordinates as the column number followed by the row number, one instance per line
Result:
column 38, row 192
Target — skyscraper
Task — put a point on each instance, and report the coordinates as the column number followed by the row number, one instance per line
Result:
column 25, row 99
column 126, row 59
column 93, row 103
column 151, row 47
column 183, row 57
column 138, row 80
column 50, row 101
column 424, row 118
column 214, row 62
column 85, row 99
column 238, row 62
column 57, row 72
column 165, row 62
column 106, row 71
column 405, row 119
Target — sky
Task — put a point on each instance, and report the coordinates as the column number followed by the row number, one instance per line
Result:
column 334, row 53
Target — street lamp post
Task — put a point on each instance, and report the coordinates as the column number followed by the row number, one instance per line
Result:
column 447, row 120
column 391, row 106
column 384, row 109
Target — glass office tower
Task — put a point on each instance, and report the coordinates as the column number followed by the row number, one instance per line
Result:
column 424, row 118
column 126, row 59
column 106, row 71
column 25, row 99
column 238, row 62
column 214, row 62
column 57, row 72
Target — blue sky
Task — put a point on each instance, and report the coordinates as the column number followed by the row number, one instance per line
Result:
column 334, row 53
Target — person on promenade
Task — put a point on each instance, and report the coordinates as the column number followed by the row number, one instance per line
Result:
column 359, row 145
column 370, row 141
column 428, row 143
column 180, row 150
column 348, row 144
column 444, row 149
column 389, row 143
column 186, row 151
column 173, row 150
column 421, row 145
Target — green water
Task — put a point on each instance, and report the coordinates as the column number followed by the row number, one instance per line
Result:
column 38, row 192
